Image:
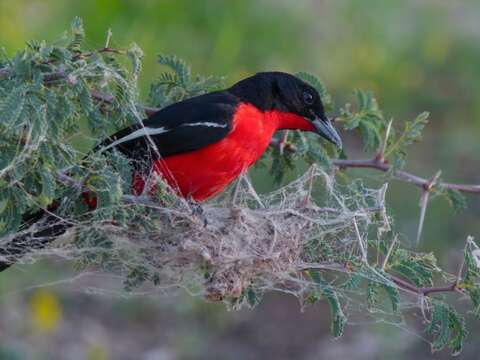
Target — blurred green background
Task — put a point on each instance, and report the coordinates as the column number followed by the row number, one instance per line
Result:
column 415, row 55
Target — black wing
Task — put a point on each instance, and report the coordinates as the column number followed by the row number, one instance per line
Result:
column 185, row 126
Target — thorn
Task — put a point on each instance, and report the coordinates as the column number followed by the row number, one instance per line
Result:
column 283, row 142
column 311, row 176
column 389, row 252
column 423, row 209
column 109, row 37
column 462, row 264
column 424, row 202
column 383, row 147
column 362, row 247
column 432, row 181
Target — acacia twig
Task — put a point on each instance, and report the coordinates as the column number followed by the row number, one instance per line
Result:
column 108, row 99
column 404, row 176
column 377, row 163
column 401, row 283
column 424, row 291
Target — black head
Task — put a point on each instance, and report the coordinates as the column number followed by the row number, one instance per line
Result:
column 287, row 93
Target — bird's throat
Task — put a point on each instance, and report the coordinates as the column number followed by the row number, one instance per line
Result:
column 290, row 121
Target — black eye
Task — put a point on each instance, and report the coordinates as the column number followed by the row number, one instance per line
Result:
column 308, row 98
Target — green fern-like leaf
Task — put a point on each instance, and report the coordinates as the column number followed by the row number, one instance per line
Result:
column 367, row 119
column 447, row 327
column 419, row 268
column 459, row 331
column 180, row 67
column 78, row 34
column 338, row 318
column 48, row 188
column 373, row 294
column 455, row 199
column 412, row 132
column 12, row 202
column 11, row 107
column 470, row 281
column 439, row 325
column 135, row 54
column 352, row 283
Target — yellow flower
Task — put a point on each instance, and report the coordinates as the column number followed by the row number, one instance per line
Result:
column 46, row 311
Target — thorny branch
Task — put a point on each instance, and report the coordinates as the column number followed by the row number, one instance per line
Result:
column 380, row 164
column 425, row 184
column 402, row 284
column 108, row 99
column 424, row 291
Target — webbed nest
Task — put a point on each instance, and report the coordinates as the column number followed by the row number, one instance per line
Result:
column 250, row 241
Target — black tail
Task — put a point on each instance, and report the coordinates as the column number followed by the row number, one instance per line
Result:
column 44, row 227
column 37, row 231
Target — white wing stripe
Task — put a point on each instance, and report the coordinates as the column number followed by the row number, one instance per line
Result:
column 209, row 124
column 136, row 134
column 156, row 131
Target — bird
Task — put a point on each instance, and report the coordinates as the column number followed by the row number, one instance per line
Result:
column 202, row 144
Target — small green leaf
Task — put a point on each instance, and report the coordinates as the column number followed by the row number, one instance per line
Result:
column 447, row 327
column 368, row 119
column 373, row 294
column 455, row 198
column 338, row 318
column 48, row 187
column 412, row 132
column 135, row 54
column 393, row 295
column 11, row 106
column 180, row 67
column 11, row 216
column 78, row 34
column 353, row 282
column 470, row 280
column 252, row 297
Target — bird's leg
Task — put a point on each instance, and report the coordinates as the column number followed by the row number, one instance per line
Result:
column 148, row 182
column 235, row 191
column 308, row 196
column 248, row 188
column 236, row 188
column 283, row 142
column 235, row 210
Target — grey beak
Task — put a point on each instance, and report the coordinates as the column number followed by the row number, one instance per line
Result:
column 325, row 129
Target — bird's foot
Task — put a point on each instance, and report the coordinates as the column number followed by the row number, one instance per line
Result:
column 236, row 213
column 197, row 211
